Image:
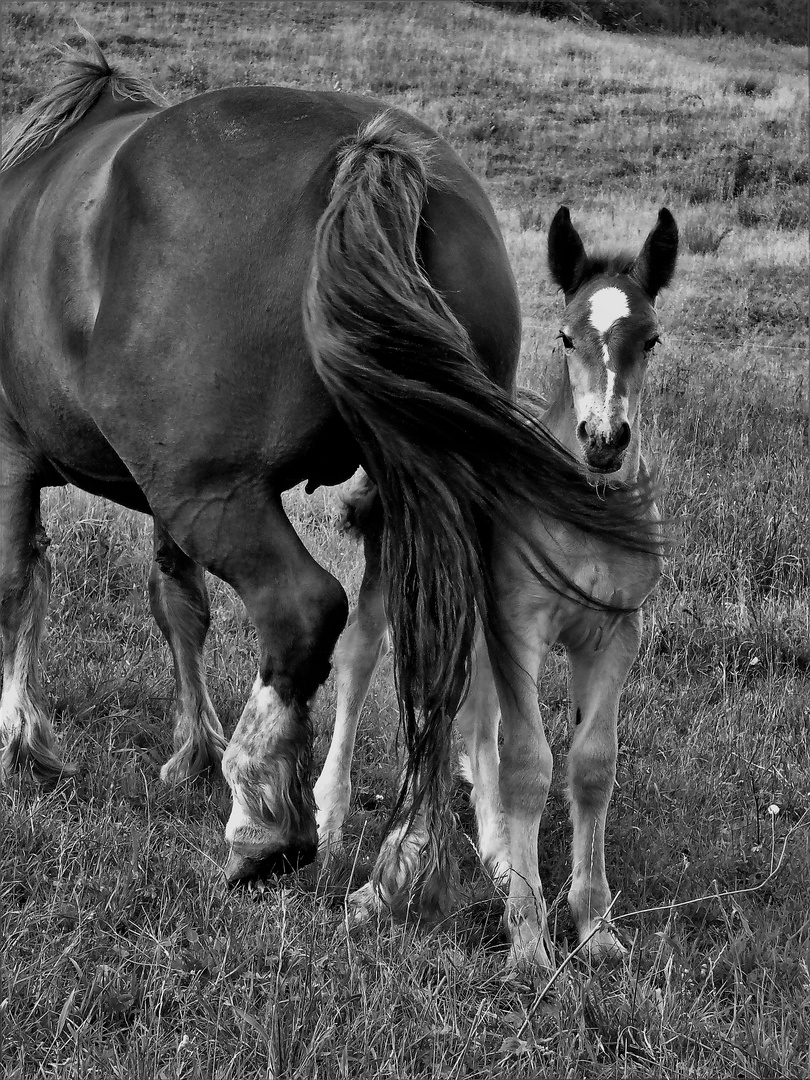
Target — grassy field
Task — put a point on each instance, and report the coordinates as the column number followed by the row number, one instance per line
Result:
column 122, row 954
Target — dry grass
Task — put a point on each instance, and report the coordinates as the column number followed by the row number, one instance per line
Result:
column 122, row 954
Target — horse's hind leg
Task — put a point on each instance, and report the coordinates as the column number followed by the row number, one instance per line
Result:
column 357, row 655
column 179, row 602
column 477, row 724
column 242, row 534
column 597, row 678
column 26, row 735
column 412, row 876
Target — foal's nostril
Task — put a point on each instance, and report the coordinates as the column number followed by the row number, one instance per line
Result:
column 622, row 440
column 582, row 432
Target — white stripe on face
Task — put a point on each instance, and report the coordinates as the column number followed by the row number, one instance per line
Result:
column 608, row 305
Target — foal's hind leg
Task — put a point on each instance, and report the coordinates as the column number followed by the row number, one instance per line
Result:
column 26, row 735
column 357, row 655
column 179, row 602
column 597, row 678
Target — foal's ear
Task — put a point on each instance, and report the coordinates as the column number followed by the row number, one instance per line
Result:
column 655, row 265
column 566, row 253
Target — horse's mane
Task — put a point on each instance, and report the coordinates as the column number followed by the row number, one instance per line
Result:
column 67, row 102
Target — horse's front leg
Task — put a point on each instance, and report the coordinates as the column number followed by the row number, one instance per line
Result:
column 26, row 735
column 179, row 601
column 360, row 648
column 242, row 534
column 477, row 724
column 596, row 682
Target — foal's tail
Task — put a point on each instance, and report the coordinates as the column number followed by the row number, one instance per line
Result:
column 449, row 450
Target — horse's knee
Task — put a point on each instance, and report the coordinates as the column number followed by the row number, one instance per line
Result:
column 178, row 596
column 525, row 776
column 298, row 633
column 26, row 735
column 25, row 585
column 591, row 773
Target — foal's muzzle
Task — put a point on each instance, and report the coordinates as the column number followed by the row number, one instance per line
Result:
column 603, row 453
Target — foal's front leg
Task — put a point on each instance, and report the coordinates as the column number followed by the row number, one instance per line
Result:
column 597, row 678
column 518, row 646
column 179, row 601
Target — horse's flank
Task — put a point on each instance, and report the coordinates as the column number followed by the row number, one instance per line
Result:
column 56, row 112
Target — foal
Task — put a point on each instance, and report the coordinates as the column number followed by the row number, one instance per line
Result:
column 609, row 332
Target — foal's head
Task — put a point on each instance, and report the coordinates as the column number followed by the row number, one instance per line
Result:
column 610, row 329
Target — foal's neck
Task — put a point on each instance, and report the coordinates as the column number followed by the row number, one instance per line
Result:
column 561, row 420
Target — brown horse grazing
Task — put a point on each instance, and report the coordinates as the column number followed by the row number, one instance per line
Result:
column 610, row 329
column 206, row 304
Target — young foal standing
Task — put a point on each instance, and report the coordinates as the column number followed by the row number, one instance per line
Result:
column 610, row 329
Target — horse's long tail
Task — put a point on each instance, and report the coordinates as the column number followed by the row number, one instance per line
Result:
column 448, row 449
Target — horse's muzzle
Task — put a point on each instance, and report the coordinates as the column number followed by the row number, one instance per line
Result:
column 244, row 869
column 604, row 454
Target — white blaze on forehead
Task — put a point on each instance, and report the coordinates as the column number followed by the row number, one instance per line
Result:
column 607, row 306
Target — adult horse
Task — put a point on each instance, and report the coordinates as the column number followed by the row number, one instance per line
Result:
column 205, row 304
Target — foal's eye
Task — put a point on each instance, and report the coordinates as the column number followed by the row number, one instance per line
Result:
column 650, row 343
column 566, row 340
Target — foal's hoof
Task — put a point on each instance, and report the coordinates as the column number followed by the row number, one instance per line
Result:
column 605, row 945
column 530, row 958
column 242, row 869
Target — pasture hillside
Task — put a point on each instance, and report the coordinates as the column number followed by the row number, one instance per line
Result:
column 122, row 954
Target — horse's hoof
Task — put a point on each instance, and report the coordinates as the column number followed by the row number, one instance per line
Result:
column 47, row 768
column 364, row 904
column 193, row 760
column 243, row 869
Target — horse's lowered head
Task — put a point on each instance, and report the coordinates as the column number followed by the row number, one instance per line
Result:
column 609, row 330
